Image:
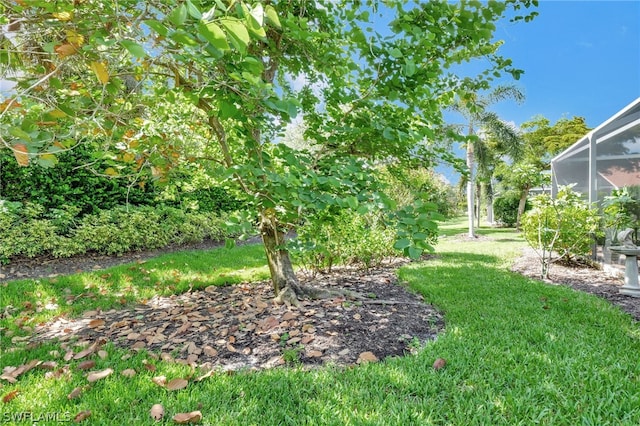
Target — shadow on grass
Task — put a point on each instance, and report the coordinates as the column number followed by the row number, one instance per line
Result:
column 39, row 300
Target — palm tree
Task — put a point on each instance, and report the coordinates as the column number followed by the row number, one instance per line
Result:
column 483, row 125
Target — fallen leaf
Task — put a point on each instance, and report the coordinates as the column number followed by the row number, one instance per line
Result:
column 439, row 364
column 209, row 351
column 157, row 412
column 75, row 393
column 206, row 375
column 129, row 372
column 48, row 365
column 98, row 375
column 68, row 356
column 82, row 415
column 177, row 384
column 314, row 354
column 160, row 380
column 12, row 374
column 96, row 323
column 11, row 395
column 86, row 365
column 184, row 418
column 365, row 357
column 269, row 323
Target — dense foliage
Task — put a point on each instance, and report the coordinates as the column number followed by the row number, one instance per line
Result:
column 75, row 181
column 505, row 208
column 563, row 228
column 30, row 230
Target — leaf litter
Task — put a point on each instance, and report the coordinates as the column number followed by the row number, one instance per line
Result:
column 238, row 327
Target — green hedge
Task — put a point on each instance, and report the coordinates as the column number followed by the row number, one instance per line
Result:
column 71, row 184
column 29, row 230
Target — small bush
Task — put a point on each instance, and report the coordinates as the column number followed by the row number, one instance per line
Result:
column 505, row 208
column 564, row 227
column 344, row 238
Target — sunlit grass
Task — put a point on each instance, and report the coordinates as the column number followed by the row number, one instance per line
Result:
column 519, row 352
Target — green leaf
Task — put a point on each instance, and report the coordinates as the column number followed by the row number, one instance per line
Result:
column 387, row 133
column 214, row 35
column 178, row 16
column 272, row 16
column 414, row 252
column 134, row 48
column 238, row 32
column 352, row 202
column 230, row 243
column 409, row 68
column 395, row 52
column 227, row 110
column 193, row 10
column 158, row 27
column 47, row 160
column 20, row 134
column 402, row 244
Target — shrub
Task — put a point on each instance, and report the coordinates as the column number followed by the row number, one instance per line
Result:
column 344, row 238
column 29, row 231
column 68, row 184
column 505, row 208
column 563, row 227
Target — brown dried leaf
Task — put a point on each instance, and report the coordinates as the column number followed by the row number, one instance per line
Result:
column 157, row 412
column 269, row 323
column 206, row 375
column 98, row 375
column 9, row 378
column 75, row 393
column 11, row 395
column 209, row 351
column 91, row 349
column 86, row 365
column 48, row 365
column 68, row 356
column 82, row 415
column 177, row 384
column 365, row 357
column 129, row 372
column 184, row 418
column 15, row 372
column 439, row 364
column 96, row 323
column 160, row 380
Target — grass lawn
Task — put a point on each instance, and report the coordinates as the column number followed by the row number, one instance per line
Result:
column 518, row 352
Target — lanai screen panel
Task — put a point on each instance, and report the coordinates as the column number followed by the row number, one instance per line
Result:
column 618, row 161
column 573, row 167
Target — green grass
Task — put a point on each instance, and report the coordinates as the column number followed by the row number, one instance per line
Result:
column 518, row 352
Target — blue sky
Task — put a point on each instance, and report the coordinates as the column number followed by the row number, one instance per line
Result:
column 581, row 58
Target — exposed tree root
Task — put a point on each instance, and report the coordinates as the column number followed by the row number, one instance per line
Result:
column 291, row 294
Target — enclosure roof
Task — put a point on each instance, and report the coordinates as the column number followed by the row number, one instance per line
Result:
column 626, row 119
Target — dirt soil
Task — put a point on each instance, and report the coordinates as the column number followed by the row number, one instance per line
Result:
column 238, row 327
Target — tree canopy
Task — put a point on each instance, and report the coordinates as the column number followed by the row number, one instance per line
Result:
column 155, row 84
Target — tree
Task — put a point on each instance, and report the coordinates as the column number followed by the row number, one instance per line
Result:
column 157, row 83
column 482, row 125
column 541, row 142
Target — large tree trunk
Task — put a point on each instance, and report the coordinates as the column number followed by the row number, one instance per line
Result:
column 479, row 202
column 521, row 205
column 489, row 203
column 285, row 283
column 470, row 183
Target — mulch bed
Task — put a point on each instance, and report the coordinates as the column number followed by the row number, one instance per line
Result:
column 238, row 327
